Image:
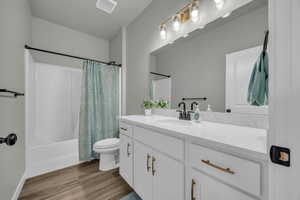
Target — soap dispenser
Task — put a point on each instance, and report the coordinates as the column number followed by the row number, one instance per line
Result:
column 209, row 108
column 197, row 117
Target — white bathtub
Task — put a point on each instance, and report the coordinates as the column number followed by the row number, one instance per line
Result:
column 51, row 157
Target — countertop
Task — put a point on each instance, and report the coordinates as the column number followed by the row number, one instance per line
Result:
column 239, row 139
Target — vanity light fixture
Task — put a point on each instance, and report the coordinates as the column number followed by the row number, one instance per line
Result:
column 176, row 23
column 219, row 4
column 194, row 12
column 188, row 12
column 163, row 31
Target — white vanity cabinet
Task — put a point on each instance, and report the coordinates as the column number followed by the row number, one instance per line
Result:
column 165, row 166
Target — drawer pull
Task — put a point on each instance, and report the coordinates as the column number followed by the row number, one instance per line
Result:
column 124, row 129
column 193, row 190
column 226, row 170
column 148, row 159
column 153, row 170
column 128, row 152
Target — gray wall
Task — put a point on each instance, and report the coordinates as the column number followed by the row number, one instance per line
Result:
column 202, row 59
column 15, row 27
column 50, row 36
column 115, row 48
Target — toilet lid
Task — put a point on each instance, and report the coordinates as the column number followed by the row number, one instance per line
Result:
column 107, row 143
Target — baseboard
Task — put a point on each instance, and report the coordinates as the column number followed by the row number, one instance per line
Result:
column 19, row 187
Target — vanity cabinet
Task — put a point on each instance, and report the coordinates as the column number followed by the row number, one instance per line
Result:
column 157, row 176
column 126, row 158
column 161, row 166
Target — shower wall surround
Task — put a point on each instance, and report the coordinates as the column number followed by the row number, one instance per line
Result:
column 52, row 116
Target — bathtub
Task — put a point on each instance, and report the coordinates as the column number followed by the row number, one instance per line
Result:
column 46, row 158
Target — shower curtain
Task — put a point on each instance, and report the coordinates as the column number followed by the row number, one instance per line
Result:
column 99, row 108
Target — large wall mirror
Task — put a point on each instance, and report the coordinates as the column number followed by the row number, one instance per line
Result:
column 215, row 63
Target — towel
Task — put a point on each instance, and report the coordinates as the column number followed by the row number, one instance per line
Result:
column 131, row 196
column 258, row 90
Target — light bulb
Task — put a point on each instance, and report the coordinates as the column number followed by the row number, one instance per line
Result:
column 163, row 32
column 195, row 13
column 176, row 24
column 219, row 4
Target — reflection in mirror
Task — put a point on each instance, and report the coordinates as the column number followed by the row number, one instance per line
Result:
column 215, row 62
column 160, row 87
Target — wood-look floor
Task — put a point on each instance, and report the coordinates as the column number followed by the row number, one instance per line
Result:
column 80, row 182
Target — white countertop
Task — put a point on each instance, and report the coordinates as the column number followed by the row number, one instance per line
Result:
column 252, row 140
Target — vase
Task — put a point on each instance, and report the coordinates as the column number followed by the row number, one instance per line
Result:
column 148, row 112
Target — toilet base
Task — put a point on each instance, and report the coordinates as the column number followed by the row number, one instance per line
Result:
column 109, row 160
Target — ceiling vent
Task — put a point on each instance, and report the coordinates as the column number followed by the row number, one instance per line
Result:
column 107, row 6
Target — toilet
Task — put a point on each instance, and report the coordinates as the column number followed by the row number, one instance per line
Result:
column 108, row 150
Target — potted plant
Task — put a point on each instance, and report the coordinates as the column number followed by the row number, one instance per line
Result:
column 148, row 105
column 162, row 104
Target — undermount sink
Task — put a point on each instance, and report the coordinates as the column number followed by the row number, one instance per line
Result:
column 175, row 122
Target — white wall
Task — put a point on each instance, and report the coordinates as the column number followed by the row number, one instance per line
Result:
column 50, row 36
column 15, row 28
column 202, row 59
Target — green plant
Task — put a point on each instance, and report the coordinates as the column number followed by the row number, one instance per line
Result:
column 148, row 104
column 162, row 104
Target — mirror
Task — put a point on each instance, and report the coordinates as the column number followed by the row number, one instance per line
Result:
column 213, row 64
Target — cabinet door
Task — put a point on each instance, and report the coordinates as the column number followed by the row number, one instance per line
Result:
column 142, row 171
column 168, row 178
column 207, row 188
column 126, row 158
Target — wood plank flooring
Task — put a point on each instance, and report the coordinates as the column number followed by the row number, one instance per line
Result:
column 80, row 182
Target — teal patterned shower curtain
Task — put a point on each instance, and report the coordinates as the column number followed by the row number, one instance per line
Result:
column 99, row 108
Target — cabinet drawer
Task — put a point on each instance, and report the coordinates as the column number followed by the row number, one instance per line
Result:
column 166, row 144
column 241, row 173
column 125, row 129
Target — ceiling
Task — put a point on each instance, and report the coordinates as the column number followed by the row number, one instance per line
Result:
column 82, row 15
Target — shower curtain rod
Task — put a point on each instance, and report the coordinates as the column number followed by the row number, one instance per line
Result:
column 112, row 63
column 158, row 74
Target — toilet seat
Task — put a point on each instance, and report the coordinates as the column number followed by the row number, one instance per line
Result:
column 110, row 143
